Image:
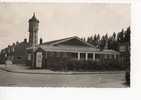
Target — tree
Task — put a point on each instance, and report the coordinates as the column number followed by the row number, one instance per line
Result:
column 120, row 36
column 127, row 35
column 114, row 36
column 102, row 43
column 113, row 40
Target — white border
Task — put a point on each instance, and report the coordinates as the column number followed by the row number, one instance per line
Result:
column 15, row 93
column 68, row 1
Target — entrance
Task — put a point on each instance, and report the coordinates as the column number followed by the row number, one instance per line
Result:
column 39, row 60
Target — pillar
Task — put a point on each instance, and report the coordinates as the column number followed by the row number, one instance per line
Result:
column 78, row 56
column 114, row 56
column 86, row 56
column 93, row 56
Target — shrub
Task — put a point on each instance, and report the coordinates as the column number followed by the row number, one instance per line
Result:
column 75, row 65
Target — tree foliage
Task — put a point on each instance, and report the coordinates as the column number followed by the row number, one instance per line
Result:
column 113, row 40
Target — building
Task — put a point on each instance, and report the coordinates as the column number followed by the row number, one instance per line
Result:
column 40, row 55
column 15, row 53
column 124, row 49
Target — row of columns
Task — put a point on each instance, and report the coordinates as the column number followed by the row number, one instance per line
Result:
column 86, row 56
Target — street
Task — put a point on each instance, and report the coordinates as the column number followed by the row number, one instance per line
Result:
column 59, row 80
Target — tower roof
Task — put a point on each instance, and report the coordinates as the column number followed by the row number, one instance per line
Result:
column 34, row 18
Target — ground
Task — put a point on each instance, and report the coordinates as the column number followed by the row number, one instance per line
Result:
column 107, row 80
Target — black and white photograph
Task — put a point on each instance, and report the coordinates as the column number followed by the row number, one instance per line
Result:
column 65, row 45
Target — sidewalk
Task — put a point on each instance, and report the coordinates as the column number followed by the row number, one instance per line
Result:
column 26, row 70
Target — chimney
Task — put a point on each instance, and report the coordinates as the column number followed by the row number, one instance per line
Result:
column 17, row 42
column 13, row 44
column 25, row 40
column 41, row 40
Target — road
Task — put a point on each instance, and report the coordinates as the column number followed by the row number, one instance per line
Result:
column 55, row 80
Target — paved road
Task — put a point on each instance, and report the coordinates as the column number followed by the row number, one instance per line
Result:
column 55, row 80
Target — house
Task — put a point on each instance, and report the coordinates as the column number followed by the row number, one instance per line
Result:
column 72, row 48
column 124, row 49
column 15, row 53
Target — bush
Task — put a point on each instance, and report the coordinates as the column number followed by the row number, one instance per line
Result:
column 75, row 65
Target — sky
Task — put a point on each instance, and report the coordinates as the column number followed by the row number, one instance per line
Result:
column 61, row 20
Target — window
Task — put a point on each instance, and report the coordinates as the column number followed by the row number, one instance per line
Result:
column 8, row 50
column 13, row 49
column 105, row 56
column 110, row 56
column 58, row 54
column 46, row 54
column 82, row 56
column 29, row 57
column 74, row 55
column 90, row 56
column 97, row 56
column 19, row 57
column 52, row 54
column 65, row 54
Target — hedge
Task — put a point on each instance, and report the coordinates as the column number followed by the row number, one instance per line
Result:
column 75, row 65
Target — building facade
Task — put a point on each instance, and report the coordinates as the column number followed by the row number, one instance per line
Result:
column 72, row 48
column 16, row 53
column 124, row 49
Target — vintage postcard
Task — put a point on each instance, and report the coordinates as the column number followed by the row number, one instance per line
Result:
column 65, row 45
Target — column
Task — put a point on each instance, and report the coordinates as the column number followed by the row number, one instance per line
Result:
column 93, row 56
column 86, row 56
column 33, row 57
column 78, row 56
column 114, row 56
column 46, row 55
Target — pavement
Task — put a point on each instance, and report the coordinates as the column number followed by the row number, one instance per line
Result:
column 27, row 70
column 22, row 76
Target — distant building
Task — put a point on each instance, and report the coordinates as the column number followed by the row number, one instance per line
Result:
column 16, row 53
column 124, row 49
column 38, row 55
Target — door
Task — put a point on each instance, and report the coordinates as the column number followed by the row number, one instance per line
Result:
column 39, row 57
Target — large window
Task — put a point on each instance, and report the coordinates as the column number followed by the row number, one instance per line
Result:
column 111, row 56
column 90, row 56
column 65, row 54
column 74, row 55
column 58, row 54
column 106, row 56
column 50, row 54
column 19, row 57
column 82, row 56
column 97, row 56
column 13, row 49
column 53, row 54
column 29, row 57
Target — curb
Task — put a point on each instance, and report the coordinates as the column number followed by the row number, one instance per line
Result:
column 60, row 73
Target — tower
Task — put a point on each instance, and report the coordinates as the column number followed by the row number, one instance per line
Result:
column 33, row 30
